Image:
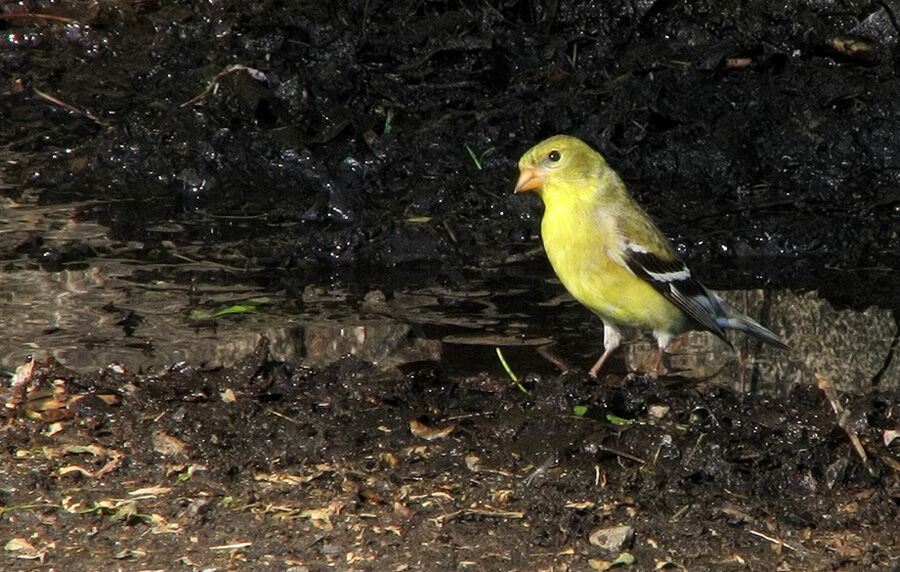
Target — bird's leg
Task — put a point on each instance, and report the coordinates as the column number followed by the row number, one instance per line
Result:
column 548, row 354
column 659, row 355
column 611, row 340
column 663, row 339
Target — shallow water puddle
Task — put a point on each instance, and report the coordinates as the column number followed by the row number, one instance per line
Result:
column 102, row 310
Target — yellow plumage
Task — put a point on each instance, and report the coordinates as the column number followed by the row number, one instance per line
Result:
column 611, row 257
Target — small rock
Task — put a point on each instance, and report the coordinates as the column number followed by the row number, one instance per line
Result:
column 613, row 539
column 658, row 411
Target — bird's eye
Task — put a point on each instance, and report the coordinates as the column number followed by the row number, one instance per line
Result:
column 554, row 156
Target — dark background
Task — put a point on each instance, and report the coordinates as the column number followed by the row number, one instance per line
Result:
column 764, row 136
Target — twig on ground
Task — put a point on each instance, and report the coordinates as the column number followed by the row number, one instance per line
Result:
column 843, row 415
column 214, row 84
column 72, row 108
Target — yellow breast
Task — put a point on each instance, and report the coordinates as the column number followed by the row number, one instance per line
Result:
column 581, row 244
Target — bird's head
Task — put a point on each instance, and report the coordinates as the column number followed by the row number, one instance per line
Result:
column 561, row 164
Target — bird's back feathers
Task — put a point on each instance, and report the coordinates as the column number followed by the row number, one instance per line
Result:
column 673, row 280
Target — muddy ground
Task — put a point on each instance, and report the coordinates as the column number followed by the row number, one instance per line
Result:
column 263, row 467
column 372, row 145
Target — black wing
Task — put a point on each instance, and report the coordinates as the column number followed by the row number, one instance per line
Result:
column 673, row 280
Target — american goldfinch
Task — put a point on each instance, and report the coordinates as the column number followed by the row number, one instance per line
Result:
column 612, row 258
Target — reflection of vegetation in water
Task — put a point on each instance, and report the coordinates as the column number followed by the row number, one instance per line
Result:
column 248, row 307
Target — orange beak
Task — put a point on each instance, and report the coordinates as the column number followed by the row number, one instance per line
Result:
column 529, row 180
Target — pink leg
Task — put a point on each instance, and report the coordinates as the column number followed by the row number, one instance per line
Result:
column 658, row 363
column 611, row 340
column 663, row 340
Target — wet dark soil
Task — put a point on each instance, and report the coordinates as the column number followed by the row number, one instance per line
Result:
column 260, row 466
column 342, row 135
column 369, row 145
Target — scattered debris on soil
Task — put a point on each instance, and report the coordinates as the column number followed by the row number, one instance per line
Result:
column 260, row 465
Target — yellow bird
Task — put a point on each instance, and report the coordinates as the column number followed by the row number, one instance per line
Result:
column 612, row 258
